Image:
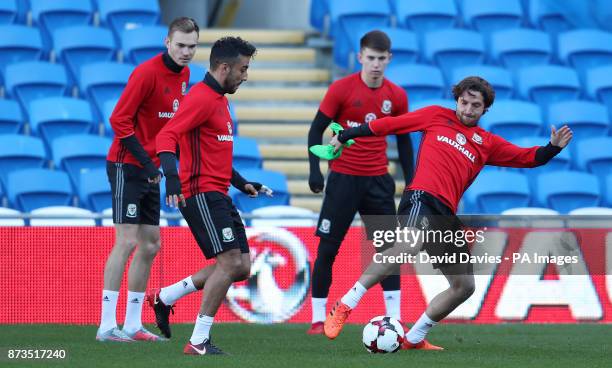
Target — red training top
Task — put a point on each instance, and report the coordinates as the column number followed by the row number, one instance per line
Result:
column 203, row 129
column 149, row 100
column 350, row 102
column 451, row 154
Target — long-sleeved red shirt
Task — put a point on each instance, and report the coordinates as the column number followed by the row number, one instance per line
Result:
column 150, row 99
column 451, row 154
column 350, row 102
column 203, row 128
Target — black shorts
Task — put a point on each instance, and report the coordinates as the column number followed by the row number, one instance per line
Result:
column 215, row 223
column 347, row 194
column 422, row 210
column 135, row 200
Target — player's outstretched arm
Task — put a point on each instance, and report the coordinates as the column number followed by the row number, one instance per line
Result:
column 315, row 137
column 560, row 138
column 345, row 135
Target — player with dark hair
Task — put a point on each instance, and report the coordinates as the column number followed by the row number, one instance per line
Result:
column 358, row 180
column 453, row 151
column 149, row 100
column 203, row 130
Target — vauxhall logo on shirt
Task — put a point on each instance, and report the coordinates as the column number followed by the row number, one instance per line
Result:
column 458, row 143
column 167, row 114
column 226, row 137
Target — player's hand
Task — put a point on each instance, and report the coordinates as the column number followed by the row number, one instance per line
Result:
column 560, row 138
column 249, row 189
column 153, row 174
column 253, row 188
column 336, row 143
column 316, row 181
column 173, row 192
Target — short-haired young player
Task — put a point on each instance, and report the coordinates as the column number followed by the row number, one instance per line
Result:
column 151, row 97
column 453, row 151
column 204, row 130
column 358, row 180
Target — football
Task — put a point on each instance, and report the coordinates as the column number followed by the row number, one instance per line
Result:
column 383, row 335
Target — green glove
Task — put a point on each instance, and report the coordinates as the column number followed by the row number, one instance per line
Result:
column 326, row 151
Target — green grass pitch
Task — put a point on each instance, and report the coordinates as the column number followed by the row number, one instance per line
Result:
column 287, row 346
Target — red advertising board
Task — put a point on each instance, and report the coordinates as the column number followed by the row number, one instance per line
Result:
column 55, row 275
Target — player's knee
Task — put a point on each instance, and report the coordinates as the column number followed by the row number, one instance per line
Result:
column 465, row 289
column 127, row 244
column 152, row 246
column 328, row 249
column 243, row 273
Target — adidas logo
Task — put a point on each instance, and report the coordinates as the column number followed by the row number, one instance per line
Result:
column 429, row 325
column 105, row 299
column 184, row 284
column 135, row 300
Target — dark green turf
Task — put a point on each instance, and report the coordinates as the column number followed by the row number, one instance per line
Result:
column 287, row 346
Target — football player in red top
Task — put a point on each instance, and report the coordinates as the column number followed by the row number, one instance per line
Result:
column 151, row 97
column 204, row 131
column 453, row 151
column 358, row 180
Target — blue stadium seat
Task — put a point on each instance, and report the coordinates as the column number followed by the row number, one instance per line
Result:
column 196, row 73
column 79, row 153
column 101, row 82
column 422, row 82
column 548, row 17
column 141, row 44
column 547, row 84
column 19, row 152
column 53, row 117
column 452, row 48
column 595, row 155
column 495, row 191
column 53, row 15
column 404, row 47
column 32, row 80
column 608, row 190
column 448, row 103
column 426, row 15
column 319, row 15
column 586, row 119
column 11, row 118
column 246, row 154
column 8, row 12
column 585, row 48
column 564, row 191
column 513, row 119
column 128, row 14
column 80, row 45
column 349, row 17
column 19, row 43
column 34, row 188
column 488, row 16
column 274, row 180
column 95, row 191
column 23, row 7
column 599, row 84
column 562, row 161
column 109, row 106
column 518, row 48
column 499, row 78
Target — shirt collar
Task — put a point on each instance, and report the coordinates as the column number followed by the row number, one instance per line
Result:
column 210, row 81
column 170, row 64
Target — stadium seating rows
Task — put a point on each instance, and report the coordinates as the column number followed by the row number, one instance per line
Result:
column 63, row 73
